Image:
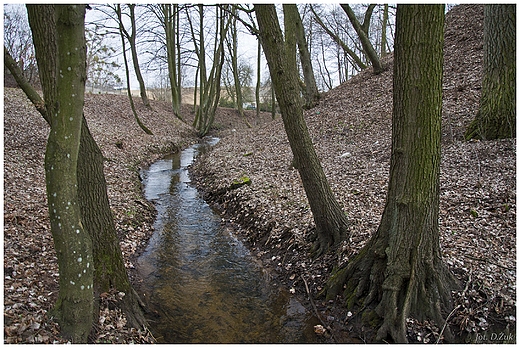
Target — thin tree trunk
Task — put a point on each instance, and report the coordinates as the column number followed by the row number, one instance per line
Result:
column 365, row 41
column 258, row 79
column 311, row 94
column 233, row 48
column 331, row 222
column 133, row 49
column 383, row 31
column 170, row 16
column 127, row 72
column 273, row 102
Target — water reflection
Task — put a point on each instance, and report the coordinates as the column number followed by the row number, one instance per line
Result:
column 200, row 281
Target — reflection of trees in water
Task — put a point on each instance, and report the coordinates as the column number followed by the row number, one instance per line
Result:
column 206, row 287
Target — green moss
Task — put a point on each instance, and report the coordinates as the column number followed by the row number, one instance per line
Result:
column 370, row 318
column 335, row 283
column 244, row 180
column 350, row 298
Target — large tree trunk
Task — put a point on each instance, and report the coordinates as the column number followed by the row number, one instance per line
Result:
column 331, row 222
column 109, row 270
column 64, row 26
column 496, row 117
column 400, row 272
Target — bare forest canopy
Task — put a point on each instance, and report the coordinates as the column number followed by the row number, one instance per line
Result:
column 350, row 126
column 105, row 60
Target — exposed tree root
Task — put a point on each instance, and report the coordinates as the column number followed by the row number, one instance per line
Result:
column 386, row 295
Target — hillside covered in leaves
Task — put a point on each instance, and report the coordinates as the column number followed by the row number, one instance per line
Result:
column 351, row 129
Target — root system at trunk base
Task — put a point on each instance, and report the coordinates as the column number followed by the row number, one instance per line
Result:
column 351, row 132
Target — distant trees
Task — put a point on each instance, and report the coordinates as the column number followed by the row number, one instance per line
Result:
column 209, row 84
column 400, row 272
column 496, row 117
column 331, row 222
column 17, row 40
column 101, row 65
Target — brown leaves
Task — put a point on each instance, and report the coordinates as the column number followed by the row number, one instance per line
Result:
column 351, row 130
column 30, row 267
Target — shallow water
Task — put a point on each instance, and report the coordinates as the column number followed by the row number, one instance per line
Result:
column 200, row 282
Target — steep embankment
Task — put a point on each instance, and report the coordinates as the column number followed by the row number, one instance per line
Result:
column 351, row 130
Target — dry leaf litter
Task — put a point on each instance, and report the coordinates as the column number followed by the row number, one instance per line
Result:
column 351, row 129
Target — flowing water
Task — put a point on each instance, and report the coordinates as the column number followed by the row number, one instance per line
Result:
column 200, row 282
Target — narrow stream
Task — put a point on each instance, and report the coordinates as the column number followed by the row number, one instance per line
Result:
column 200, row 282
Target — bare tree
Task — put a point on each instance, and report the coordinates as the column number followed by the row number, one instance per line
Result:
column 127, row 71
column 400, row 273
column 362, row 31
column 496, row 117
column 331, row 222
column 334, row 36
column 132, row 40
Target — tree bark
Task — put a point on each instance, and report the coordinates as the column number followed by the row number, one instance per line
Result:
column 311, row 94
column 348, row 52
column 109, row 269
column 496, row 117
column 65, row 91
column 127, row 71
column 400, row 272
column 365, row 41
column 331, row 222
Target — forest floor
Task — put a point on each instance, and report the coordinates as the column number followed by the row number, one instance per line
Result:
column 351, row 129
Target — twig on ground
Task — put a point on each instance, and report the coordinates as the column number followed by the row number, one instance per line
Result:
column 316, row 309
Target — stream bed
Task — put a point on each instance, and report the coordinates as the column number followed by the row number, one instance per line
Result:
column 200, row 283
